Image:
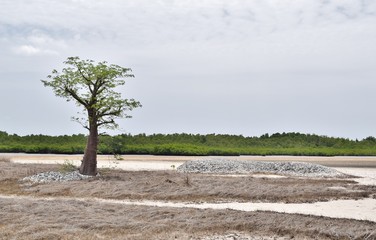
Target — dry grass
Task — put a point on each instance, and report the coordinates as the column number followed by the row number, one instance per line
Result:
column 173, row 186
column 10, row 173
column 71, row 219
column 67, row 219
column 4, row 159
column 9, row 170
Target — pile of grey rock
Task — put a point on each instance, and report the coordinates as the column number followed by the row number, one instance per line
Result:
column 48, row 177
column 225, row 166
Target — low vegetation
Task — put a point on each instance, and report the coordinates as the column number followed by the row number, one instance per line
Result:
column 69, row 219
column 194, row 144
column 67, row 166
column 55, row 211
column 174, row 186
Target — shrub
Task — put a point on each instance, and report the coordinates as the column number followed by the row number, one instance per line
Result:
column 67, row 166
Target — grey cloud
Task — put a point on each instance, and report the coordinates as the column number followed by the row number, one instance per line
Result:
column 244, row 67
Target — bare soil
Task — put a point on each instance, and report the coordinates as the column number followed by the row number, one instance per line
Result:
column 71, row 219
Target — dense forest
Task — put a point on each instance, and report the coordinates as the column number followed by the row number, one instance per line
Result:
column 193, row 144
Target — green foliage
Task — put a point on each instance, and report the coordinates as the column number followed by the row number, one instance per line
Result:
column 74, row 144
column 92, row 86
column 118, row 157
column 67, row 166
column 194, row 144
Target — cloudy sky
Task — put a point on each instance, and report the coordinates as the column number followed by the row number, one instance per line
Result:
column 202, row 66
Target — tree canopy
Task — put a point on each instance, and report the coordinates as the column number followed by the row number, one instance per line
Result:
column 93, row 87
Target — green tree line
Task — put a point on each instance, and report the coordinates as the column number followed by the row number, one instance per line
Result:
column 193, row 144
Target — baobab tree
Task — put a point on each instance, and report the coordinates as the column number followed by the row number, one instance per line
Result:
column 92, row 87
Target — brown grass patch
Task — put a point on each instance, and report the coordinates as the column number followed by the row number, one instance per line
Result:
column 4, row 159
column 10, row 187
column 173, row 186
column 71, row 219
column 68, row 219
column 9, row 170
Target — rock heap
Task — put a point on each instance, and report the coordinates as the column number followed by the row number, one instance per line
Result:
column 225, row 166
column 47, row 177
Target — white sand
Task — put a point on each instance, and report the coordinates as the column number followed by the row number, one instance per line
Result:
column 367, row 176
column 364, row 209
column 346, row 160
column 112, row 163
column 150, row 162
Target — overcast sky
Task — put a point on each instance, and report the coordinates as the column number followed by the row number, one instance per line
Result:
column 202, row 66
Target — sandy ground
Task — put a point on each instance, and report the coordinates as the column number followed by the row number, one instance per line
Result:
column 345, row 209
column 130, row 162
column 363, row 167
column 367, row 176
column 340, row 161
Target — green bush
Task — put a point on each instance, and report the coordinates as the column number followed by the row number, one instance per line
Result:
column 67, row 166
column 193, row 144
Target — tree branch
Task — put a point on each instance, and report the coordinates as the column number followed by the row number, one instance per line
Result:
column 109, row 112
column 113, row 113
column 112, row 121
column 88, row 81
column 75, row 96
column 100, row 83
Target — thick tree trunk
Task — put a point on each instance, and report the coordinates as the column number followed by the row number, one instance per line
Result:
column 89, row 162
